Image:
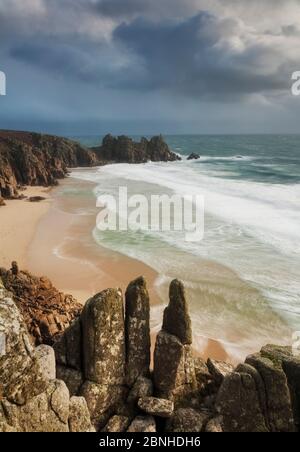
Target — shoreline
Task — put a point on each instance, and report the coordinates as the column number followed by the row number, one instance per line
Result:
column 55, row 240
column 19, row 220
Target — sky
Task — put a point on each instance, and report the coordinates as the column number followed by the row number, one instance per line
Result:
column 81, row 67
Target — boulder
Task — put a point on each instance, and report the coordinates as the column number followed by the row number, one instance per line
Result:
column 174, row 372
column 36, row 198
column 79, row 418
column 137, row 331
column 176, row 317
column 219, row 370
column 143, row 424
column 117, row 424
column 214, row 425
column 187, row 420
column 46, row 412
column 143, row 387
column 46, row 359
column 193, row 156
column 278, row 399
column 156, row 407
column 103, row 401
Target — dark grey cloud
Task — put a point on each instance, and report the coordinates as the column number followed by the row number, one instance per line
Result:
column 189, row 58
column 167, row 51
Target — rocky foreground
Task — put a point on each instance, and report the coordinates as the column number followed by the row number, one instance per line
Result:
column 97, row 375
column 35, row 159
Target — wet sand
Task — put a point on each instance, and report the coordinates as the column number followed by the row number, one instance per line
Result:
column 54, row 238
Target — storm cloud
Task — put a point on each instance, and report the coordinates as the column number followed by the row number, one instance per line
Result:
column 216, row 52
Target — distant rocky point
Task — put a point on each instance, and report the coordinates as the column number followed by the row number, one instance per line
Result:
column 34, row 159
column 124, row 150
column 194, row 156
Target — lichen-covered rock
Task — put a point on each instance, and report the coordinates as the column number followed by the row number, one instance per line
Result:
column 137, row 330
column 46, row 412
column 73, row 378
column 103, row 401
column 79, row 418
column 214, row 425
column 206, row 384
column 143, row 424
column 156, row 407
column 187, row 420
column 143, row 387
column 21, row 376
column 238, row 404
column 219, row 369
column 174, row 372
column 104, row 338
column 117, row 424
column 176, row 316
column 291, row 367
column 46, row 359
column 278, row 398
column 68, row 348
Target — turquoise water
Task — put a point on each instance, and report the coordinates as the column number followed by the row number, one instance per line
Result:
column 243, row 279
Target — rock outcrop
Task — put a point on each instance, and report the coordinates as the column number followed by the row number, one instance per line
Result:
column 46, row 311
column 32, row 399
column 124, row 150
column 194, row 156
column 35, row 159
column 89, row 383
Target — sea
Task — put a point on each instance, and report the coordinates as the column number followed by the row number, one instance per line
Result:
column 243, row 278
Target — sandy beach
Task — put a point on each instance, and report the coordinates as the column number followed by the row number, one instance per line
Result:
column 18, row 223
column 53, row 238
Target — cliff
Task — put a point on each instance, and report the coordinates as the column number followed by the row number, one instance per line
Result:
column 124, row 150
column 103, row 363
column 34, row 159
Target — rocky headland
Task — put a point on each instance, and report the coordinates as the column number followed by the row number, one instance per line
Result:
column 125, row 150
column 98, row 377
column 41, row 160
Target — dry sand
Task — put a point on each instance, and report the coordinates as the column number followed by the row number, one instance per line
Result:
column 18, row 224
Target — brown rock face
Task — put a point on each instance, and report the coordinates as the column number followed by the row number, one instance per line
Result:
column 124, row 150
column 137, row 331
column 35, row 159
column 46, row 311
